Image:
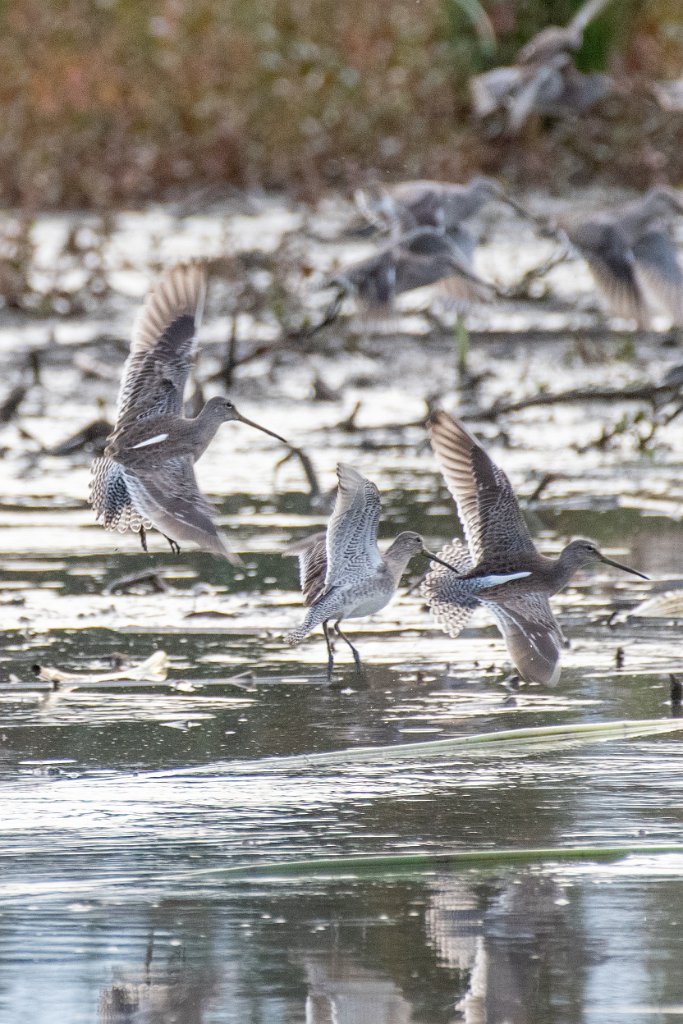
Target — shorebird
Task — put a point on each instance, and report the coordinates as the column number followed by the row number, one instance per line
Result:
column 429, row 204
column 344, row 575
column 499, row 543
column 146, row 477
column 544, row 79
column 555, row 39
column 632, row 257
column 420, row 258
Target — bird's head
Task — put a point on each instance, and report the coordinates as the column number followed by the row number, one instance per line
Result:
column 222, row 410
column 582, row 554
column 408, row 544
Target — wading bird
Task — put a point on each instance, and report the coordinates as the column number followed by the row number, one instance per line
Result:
column 544, row 78
column 420, row 258
column 429, row 204
column 344, row 575
column 499, row 544
column 146, row 477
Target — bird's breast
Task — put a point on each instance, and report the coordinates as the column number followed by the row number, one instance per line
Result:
column 369, row 597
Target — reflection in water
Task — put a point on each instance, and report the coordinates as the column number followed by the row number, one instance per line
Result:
column 181, row 1000
column 513, row 948
column 522, row 946
column 340, row 991
column 517, row 945
column 93, row 839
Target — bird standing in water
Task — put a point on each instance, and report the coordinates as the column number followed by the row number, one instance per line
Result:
column 499, row 543
column 146, row 477
column 343, row 574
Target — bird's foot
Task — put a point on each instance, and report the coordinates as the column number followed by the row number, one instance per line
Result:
column 175, row 547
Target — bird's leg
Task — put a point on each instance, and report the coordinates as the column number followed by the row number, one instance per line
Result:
column 143, row 538
column 175, row 547
column 330, row 653
column 356, row 655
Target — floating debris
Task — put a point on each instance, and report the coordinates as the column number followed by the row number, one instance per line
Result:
column 153, row 669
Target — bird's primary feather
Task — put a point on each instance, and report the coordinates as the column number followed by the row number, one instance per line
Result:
column 351, row 539
column 488, row 509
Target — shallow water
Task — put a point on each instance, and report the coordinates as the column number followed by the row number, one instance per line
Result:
column 123, row 802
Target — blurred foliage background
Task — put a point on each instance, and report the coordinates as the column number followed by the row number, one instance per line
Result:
column 110, row 102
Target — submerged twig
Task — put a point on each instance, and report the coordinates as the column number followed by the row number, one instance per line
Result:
column 520, row 289
column 154, row 582
column 227, row 371
column 10, row 406
column 91, row 436
column 636, row 393
column 307, row 467
column 546, row 479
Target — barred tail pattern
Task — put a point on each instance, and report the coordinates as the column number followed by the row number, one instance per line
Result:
column 330, row 606
column 295, row 636
column 450, row 601
column 111, row 500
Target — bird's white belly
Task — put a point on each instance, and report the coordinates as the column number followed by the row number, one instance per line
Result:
column 368, row 604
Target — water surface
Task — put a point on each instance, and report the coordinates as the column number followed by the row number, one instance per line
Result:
column 124, row 802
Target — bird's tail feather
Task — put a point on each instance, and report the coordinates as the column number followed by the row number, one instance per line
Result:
column 330, row 606
column 295, row 636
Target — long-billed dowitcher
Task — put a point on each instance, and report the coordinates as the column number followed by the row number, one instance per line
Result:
column 343, row 574
column 499, row 543
column 422, row 257
column 555, row 39
column 633, row 258
column 429, row 204
column 544, row 79
column 146, row 477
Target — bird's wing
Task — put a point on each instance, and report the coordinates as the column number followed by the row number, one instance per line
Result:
column 541, row 86
column 372, row 280
column 428, row 256
column 532, row 636
column 382, row 208
column 449, row 603
column 162, row 346
column 173, row 503
column 657, row 262
column 585, row 14
column 424, row 208
column 487, row 507
column 547, row 45
column 111, row 500
column 312, row 555
column 578, row 93
column 490, row 90
column 351, row 537
column 153, row 381
column 613, row 266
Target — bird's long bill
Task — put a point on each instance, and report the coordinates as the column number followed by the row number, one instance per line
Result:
column 624, row 568
column 523, row 212
column 435, row 558
column 264, row 430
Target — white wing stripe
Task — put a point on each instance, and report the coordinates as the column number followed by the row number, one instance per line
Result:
column 151, row 440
